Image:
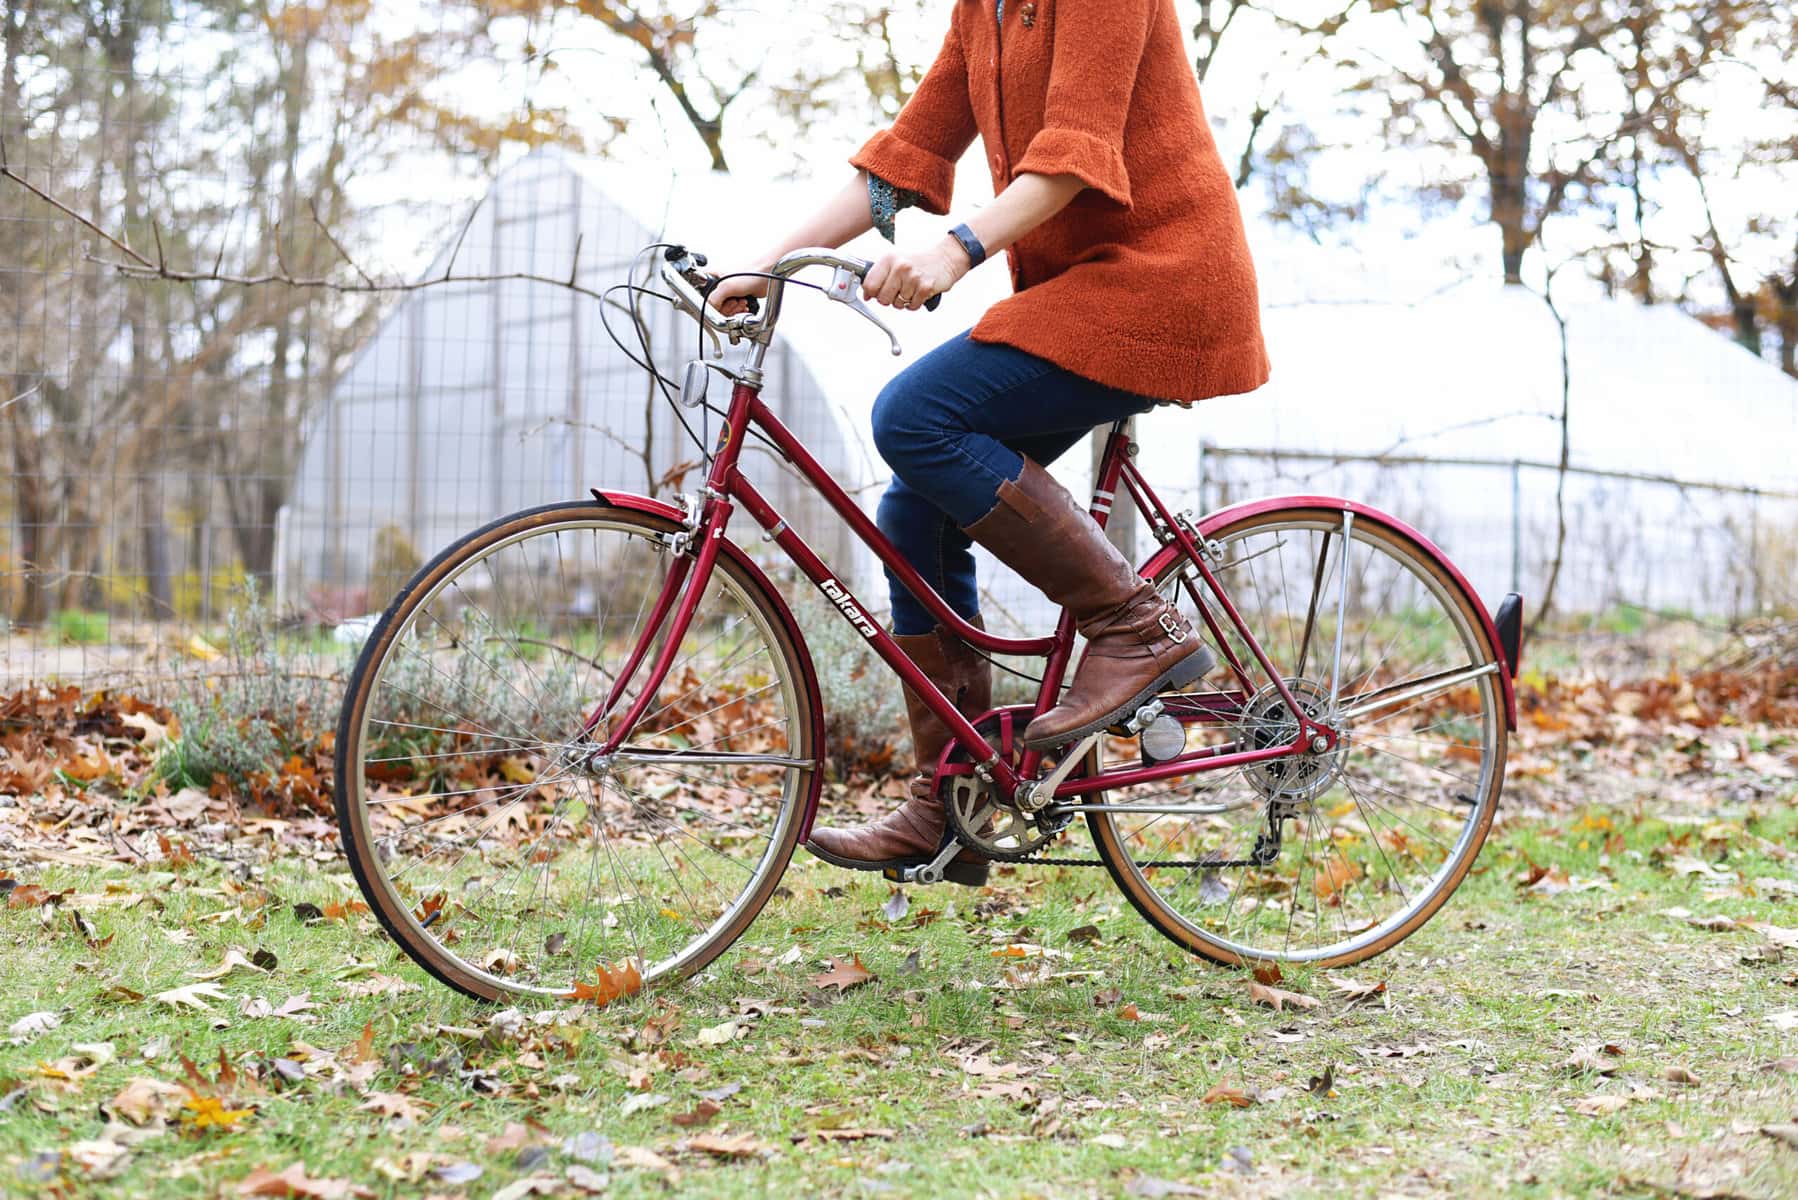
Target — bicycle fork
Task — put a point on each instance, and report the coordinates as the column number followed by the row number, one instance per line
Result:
column 688, row 574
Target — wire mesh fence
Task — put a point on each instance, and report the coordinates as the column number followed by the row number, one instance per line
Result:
column 1601, row 539
column 292, row 298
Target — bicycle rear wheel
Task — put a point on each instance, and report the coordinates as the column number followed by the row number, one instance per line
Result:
column 490, row 842
column 1334, row 857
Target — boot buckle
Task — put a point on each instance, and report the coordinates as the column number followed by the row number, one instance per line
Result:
column 1174, row 627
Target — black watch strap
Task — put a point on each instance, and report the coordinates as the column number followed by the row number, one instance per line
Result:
column 970, row 243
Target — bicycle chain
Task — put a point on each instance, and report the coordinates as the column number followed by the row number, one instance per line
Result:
column 1041, row 861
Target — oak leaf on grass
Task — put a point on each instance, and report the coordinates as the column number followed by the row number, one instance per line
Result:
column 1278, row 998
column 609, row 985
column 843, row 975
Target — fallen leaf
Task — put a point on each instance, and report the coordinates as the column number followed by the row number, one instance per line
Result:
column 897, row 905
column 718, row 1035
column 742, row 1145
column 194, row 995
column 1601, row 1060
column 209, row 1112
column 1353, row 990
column 1601, row 1106
column 701, row 1114
column 586, row 1179
column 34, row 1025
column 459, row 1172
column 1277, row 998
column 609, row 985
column 143, row 1100
column 647, row 1160
column 1785, row 1132
column 402, row 1109
column 843, row 975
column 530, row 1185
column 235, row 960
column 1223, row 1094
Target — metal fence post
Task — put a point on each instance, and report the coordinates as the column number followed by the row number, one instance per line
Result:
column 1198, row 503
column 1516, row 525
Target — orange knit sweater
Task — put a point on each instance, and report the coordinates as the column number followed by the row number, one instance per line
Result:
column 1144, row 282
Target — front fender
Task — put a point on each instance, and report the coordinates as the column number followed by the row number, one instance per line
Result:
column 809, row 675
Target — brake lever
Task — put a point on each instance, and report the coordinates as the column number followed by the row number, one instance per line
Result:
column 845, row 289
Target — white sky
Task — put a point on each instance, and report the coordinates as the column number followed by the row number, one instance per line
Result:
column 597, row 77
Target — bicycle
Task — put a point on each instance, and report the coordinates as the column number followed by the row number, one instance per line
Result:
column 584, row 741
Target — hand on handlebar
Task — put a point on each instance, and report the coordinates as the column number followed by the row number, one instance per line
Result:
column 907, row 279
column 734, row 290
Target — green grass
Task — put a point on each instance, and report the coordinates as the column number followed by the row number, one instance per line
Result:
column 79, row 627
column 1450, row 1083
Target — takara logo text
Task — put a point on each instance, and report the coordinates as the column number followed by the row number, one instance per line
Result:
column 842, row 600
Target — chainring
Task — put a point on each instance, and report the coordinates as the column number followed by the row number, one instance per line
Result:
column 979, row 815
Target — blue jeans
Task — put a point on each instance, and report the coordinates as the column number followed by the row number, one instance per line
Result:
column 955, row 425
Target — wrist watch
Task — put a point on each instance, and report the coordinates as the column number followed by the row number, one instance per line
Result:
column 970, row 243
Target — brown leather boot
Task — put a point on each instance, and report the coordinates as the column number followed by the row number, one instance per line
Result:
column 1137, row 644
column 915, row 831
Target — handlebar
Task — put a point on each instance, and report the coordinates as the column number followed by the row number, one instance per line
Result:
column 683, row 271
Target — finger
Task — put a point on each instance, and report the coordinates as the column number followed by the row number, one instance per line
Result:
column 876, row 277
column 896, row 284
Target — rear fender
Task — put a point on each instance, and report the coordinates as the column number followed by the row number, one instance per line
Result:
column 1224, row 517
column 809, row 675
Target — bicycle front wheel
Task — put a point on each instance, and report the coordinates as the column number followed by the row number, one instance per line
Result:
column 492, row 843
column 1330, row 857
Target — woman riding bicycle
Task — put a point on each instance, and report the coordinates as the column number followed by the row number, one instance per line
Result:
column 1133, row 287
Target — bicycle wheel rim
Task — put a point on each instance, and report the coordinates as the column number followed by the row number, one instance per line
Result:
column 397, row 906
column 1370, row 936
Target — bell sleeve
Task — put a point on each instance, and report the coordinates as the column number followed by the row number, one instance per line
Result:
column 917, row 155
column 1099, row 46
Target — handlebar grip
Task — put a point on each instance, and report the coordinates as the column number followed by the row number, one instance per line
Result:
column 931, row 304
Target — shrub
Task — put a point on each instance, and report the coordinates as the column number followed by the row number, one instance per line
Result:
column 253, row 709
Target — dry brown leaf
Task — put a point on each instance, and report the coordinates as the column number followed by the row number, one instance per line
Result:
column 1353, row 990
column 401, row 1108
column 142, row 1100
column 742, row 1145
column 294, row 1182
column 1278, row 998
column 1601, row 1106
column 843, row 975
column 701, row 1114
column 1223, row 1094
column 646, row 1160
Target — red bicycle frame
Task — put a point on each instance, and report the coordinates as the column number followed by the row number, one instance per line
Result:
column 726, row 487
